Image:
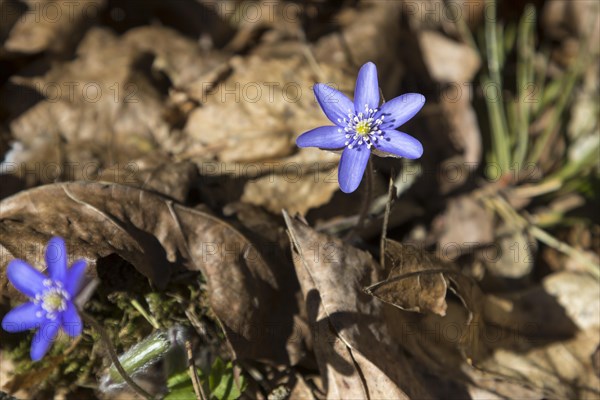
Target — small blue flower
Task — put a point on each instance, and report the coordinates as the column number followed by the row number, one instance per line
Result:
column 50, row 305
column 363, row 125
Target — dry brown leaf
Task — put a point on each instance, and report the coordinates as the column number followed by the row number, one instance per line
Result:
column 341, row 375
column 578, row 294
column 296, row 191
column 463, row 129
column 50, row 25
column 466, row 225
column 418, row 281
column 262, row 117
column 415, row 282
column 513, row 254
column 84, row 113
column 332, row 275
column 155, row 172
column 559, row 370
column 531, row 313
column 453, row 66
column 420, row 14
column 176, row 55
column 310, row 174
column 448, row 61
column 546, row 343
column 301, row 389
column 596, row 361
column 577, row 18
column 360, row 40
column 286, row 317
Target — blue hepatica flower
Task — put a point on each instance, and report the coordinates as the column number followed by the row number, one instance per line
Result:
column 50, row 305
column 363, row 126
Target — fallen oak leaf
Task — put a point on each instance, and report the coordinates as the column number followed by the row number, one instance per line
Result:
column 414, row 291
column 418, row 282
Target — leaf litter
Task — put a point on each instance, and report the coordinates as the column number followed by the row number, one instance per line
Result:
column 167, row 181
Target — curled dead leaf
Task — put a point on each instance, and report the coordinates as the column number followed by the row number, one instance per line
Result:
column 418, row 281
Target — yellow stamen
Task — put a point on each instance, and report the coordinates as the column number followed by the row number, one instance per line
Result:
column 363, row 128
column 53, row 301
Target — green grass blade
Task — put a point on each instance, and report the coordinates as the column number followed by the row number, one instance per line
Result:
column 525, row 85
column 499, row 130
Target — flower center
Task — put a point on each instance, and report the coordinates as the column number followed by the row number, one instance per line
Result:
column 53, row 299
column 362, row 128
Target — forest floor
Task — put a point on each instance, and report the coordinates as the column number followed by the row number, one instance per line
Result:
column 158, row 138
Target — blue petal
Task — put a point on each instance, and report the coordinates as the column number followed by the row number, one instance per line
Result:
column 399, row 110
column 75, row 277
column 71, row 321
column 400, row 144
column 42, row 339
column 56, row 259
column 367, row 88
column 324, row 137
column 334, row 103
column 22, row 318
column 352, row 167
column 25, row 278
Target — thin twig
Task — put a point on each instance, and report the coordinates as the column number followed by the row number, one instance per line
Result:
column 511, row 215
column 113, row 356
column 193, row 373
column 386, row 220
